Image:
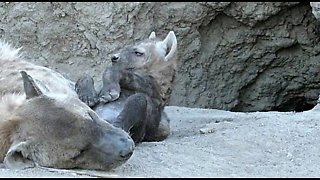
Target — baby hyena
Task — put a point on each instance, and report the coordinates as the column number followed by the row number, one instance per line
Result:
column 136, row 88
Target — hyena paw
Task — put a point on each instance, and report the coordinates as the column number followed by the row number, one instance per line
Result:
column 89, row 99
column 86, row 92
column 110, row 93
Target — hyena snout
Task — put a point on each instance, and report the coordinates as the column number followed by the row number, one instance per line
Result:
column 126, row 153
column 117, row 142
column 126, row 149
column 115, row 58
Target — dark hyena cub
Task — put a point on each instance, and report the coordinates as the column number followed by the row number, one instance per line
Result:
column 136, row 88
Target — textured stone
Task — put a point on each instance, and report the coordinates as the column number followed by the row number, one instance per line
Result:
column 239, row 56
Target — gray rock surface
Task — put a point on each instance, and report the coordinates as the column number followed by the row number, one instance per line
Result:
column 238, row 56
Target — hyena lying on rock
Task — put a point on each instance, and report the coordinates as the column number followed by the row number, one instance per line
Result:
column 43, row 122
column 136, row 88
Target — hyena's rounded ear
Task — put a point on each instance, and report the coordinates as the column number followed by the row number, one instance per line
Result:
column 171, row 43
column 17, row 157
column 152, row 35
column 31, row 88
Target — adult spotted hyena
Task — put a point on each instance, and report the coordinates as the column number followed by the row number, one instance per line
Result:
column 136, row 88
column 43, row 122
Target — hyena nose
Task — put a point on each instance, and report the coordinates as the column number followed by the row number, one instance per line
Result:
column 115, row 58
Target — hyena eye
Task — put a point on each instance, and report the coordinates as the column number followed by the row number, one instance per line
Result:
column 138, row 53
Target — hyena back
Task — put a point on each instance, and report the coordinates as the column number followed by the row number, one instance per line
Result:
column 136, row 88
column 43, row 122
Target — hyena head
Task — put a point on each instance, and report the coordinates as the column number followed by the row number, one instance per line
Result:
column 153, row 56
column 47, row 126
column 60, row 131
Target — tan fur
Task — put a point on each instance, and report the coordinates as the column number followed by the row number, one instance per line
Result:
column 7, row 129
column 152, row 64
column 164, row 74
column 8, row 123
column 160, row 62
column 162, row 71
column 11, row 90
column 12, row 93
column 43, row 122
column 11, row 79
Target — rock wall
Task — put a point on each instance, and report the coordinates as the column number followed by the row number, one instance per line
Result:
column 238, row 56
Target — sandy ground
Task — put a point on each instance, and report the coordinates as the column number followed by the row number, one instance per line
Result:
column 216, row 143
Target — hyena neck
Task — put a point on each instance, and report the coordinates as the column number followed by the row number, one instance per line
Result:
column 164, row 76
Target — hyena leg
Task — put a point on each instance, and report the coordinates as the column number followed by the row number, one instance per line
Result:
column 158, row 124
column 134, row 116
column 110, row 90
column 163, row 130
column 114, row 79
column 85, row 90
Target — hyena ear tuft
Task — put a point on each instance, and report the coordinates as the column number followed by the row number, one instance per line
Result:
column 171, row 42
column 30, row 87
column 152, row 35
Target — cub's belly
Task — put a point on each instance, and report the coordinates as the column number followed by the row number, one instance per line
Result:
column 110, row 110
